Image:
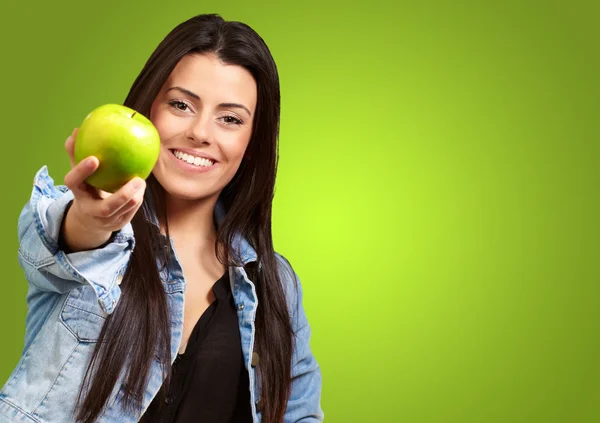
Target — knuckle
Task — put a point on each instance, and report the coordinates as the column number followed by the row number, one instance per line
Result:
column 133, row 193
column 132, row 202
column 105, row 211
column 68, row 179
column 124, row 197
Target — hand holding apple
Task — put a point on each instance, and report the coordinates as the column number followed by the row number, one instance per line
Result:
column 95, row 214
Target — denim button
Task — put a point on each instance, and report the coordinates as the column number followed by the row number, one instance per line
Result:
column 255, row 359
column 169, row 399
column 241, row 306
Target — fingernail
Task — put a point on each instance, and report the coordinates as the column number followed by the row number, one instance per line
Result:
column 137, row 183
column 89, row 162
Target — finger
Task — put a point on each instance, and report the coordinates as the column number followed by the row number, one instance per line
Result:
column 91, row 192
column 119, row 199
column 126, row 218
column 75, row 178
column 70, row 146
column 102, row 194
column 132, row 204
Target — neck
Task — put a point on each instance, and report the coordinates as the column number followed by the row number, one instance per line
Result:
column 191, row 223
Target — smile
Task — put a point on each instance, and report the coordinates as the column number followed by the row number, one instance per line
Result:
column 193, row 160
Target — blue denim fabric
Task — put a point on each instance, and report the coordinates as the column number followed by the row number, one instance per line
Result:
column 71, row 294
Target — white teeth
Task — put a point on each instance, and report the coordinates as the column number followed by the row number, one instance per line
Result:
column 197, row 161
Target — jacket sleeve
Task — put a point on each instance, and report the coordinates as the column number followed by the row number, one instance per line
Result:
column 304, row 404
column 50, row 269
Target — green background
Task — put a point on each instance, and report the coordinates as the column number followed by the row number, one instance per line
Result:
column 437, row 189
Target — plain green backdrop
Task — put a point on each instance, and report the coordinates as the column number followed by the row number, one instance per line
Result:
column 437, row 191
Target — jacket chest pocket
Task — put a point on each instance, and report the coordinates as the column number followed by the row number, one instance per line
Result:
column 82, row 315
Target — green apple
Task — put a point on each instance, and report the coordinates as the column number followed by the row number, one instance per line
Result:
column 125, row 142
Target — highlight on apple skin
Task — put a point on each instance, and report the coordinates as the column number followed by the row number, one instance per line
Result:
column 125, row 142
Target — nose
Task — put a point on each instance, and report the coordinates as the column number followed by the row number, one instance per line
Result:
column 200, row 129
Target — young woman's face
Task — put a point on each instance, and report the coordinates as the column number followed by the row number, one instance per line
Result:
column 204, row 115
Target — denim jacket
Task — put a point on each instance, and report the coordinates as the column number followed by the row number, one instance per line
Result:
column 70, row 295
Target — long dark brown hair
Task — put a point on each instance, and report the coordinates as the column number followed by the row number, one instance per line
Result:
column 139, row 327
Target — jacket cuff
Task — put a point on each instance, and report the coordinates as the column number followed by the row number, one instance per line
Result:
column 100, row 268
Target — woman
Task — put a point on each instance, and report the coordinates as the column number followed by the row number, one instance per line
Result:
column 215, row 331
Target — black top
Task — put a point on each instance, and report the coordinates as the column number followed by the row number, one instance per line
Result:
column 209, row 380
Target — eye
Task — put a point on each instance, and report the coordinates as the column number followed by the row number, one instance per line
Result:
column 179, row 105
column 231, row 120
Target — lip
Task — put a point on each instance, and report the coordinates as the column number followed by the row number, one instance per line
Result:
column 195, row 153
column 190, row 167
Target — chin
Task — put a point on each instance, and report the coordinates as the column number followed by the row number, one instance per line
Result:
column 186, row 189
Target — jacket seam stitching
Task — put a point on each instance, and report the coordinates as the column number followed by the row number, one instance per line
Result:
column 55, row 379
column 84, row 310
column 11, row 404
column 39, row 226
column 30, row 260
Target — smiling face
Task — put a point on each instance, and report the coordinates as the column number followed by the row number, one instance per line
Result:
column 204, row 115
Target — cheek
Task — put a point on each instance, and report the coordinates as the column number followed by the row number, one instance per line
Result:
column 236, row 147
column 163, row 124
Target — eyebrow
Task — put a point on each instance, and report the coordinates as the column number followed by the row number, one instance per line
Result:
column 222, row 105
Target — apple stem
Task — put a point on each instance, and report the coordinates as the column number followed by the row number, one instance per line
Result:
column 133, row 114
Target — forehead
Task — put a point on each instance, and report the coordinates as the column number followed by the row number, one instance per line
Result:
column 214, row 81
